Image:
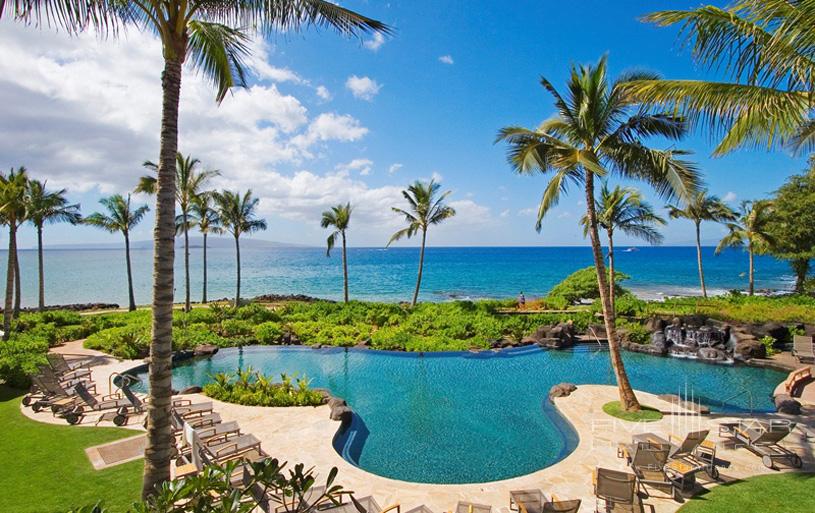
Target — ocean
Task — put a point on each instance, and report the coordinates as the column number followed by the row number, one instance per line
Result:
column 376, row 274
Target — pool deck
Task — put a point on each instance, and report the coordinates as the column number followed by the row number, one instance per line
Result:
column 305, row 435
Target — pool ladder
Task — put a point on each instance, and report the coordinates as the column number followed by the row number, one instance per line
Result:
column 739, row 394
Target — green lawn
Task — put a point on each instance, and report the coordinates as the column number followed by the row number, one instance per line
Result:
column 789, row 492
column 646, row 413
column 45, row 470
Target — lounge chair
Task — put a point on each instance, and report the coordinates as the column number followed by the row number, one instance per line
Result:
column 688, row 444
column 57, row 395
column 534, row 501
column 470, row 507
column 221, row 449
column 122, row 415
column 93, row 403
column 762, row 438
column 648, row 463
column 420, row 509
column 62, row 367
column 802, row 348
column 616, row 491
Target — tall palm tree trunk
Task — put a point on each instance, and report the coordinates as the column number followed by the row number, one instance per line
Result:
column 9, row 303
column 421, row 267
column 611, row 271
column 160, row 447
column 204, row 296
column 18, row 292
column 628, row 400
column 186, row 264
column 699, row 261
column 751, row 271
column 40, row 270
column 344, row 268
column 238, row 268
column 131, row 298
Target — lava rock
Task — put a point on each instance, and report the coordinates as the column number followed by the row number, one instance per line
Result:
column 786, row 404
column 561, row 390
column 656, row 324
column 747, row 348
column 711, row 354
column 772, row 329
column 190, row 390
column 205, row 350
column 342, row 414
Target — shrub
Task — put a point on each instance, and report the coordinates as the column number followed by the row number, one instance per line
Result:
column 582, row 284
column 635, row 332
column 268, row 332
column 69, row 333
column 123, row 342
column 256, row 313
column 187, row 337
column 251, row 388
column 194, row 316
column 769, row 345
column 236, row 328
column 629, row 305
column 19, row 357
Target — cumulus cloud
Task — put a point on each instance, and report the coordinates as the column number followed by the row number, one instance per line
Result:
column 323, row 93
column 375, row 42
column 446, row 59
column 504, row 213
column 363, row 166
column 396, row 166
column 526, row 212
column 730, row 196
column 363, row 88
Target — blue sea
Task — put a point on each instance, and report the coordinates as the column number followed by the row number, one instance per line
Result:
column 376, row 274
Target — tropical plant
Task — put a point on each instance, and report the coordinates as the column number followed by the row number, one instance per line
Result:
column 793, row 223
column 426, row 208
column 189, row 183
column 205, row 217
column 765, row 47
column 624, row 209
column 339, row 218
column 702, row 206
column 44, row 206
column 13, row 188
column 121, row 217
column 751, row 229
column 209, row 36
column 237, row 215
column 599, row 130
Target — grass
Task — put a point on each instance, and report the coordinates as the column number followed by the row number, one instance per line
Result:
column 646, row 413
column 788, row 492
column 45, row 468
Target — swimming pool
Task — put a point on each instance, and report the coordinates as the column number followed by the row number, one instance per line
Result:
column 474, row 417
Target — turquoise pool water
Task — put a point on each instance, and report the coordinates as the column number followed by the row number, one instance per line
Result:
column 474, row 417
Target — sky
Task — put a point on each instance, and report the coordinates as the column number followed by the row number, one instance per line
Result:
column 328, row 119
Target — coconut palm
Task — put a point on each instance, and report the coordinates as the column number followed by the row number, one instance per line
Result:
column 624, row 209
column 120, row 217
column 752, row 229
column 208, row 35
column 189, row 183
column 702, row 207
column 426, row 208
column 598, row 130
column 205, row 217
column 44, row 206
column 765, row 47
column 339, row 218
column 13, row 188
column 237, row 215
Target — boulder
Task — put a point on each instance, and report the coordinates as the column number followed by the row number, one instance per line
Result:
column 786, row 404
column 658, row 341
column 645, row 348
column 656, row 324
column 341, row 413
column 561, row 390
column 747, row 348
column 190, row 390
column 772, row 329
column 334, row 402
column 711, row 354
column 205, row 350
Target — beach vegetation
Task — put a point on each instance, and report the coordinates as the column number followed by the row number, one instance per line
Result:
column 252, row 388
column 752, row 231
column 582, row 284
column 634, row 331
column 426, row 208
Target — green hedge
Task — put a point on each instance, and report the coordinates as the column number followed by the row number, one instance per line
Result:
column 251, row 388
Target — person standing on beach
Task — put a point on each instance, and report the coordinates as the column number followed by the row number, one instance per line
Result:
column 521, row 301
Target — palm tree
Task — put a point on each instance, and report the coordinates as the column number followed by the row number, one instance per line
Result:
column 427, row 208
column 206, row 219
column 46, row 206
column 339, row 217
column 702, row 207
column 753, row 229
column 120, row 218
column 237, row 215
column 12, row 213
column 765, row 47
column 189, row 184
column 624, row 209
column 597, row 130
column 209, row 36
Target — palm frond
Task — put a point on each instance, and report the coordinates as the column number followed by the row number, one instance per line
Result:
column 218, row 52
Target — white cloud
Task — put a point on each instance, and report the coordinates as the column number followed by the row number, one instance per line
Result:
column 446, row 59
column 323, row 93
column 504, row 213
column 526, row 212
column 258, row 62
column 436, row 177
column 363, row 88
column 730, row 196
column 362, row 165
column 564, row 215
column 374, row 43
column 396, row 166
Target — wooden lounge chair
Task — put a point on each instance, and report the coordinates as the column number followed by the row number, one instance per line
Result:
column 470, row 507
column 616, row 491
column 762, row 438
column 797, row 378
column 648, row 463
column 63, row 368
column 802, row 348
column 90, row 402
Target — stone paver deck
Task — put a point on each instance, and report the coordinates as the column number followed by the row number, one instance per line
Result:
column 305, row 435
